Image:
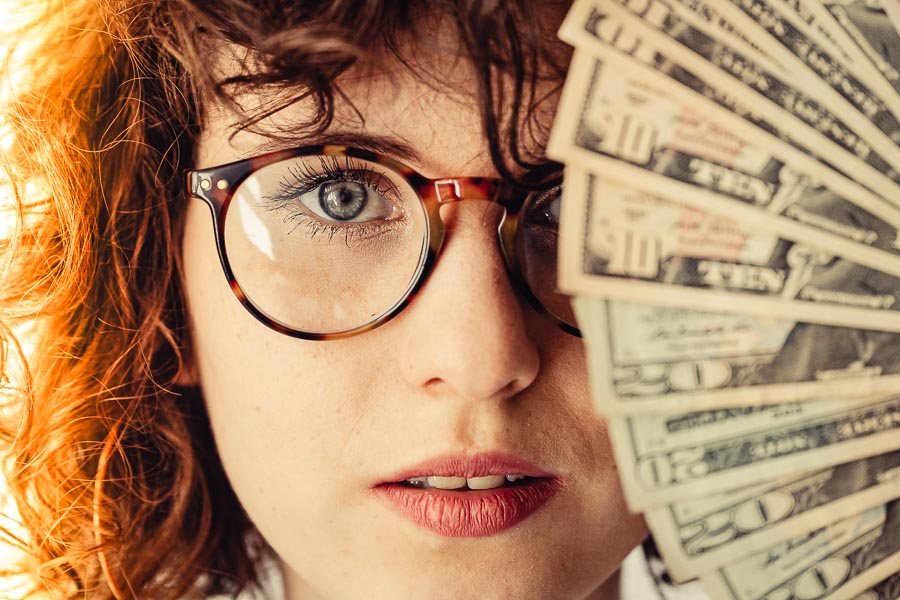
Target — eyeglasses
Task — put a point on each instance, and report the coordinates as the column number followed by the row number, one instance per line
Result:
column 326, row 242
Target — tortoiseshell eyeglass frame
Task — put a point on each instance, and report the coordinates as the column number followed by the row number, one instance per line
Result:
column 217, row 185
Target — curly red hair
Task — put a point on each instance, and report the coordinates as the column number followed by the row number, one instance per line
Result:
column 111, row 463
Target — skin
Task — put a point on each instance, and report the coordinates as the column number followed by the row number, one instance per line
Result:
column 305, row 429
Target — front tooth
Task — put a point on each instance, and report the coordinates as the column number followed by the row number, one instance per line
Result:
column 447, row 483
column 485, row 483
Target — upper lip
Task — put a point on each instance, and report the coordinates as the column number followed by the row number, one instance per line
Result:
column 471, row 465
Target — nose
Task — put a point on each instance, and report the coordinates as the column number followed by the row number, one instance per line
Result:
column 467, row 333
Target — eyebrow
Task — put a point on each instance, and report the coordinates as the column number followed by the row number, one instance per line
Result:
column 391, row 146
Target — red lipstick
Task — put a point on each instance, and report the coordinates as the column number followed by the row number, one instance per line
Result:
column 469, row 513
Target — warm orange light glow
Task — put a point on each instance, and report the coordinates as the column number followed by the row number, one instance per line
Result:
column 12, row 15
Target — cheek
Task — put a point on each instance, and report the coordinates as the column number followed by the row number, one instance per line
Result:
column 280, row 408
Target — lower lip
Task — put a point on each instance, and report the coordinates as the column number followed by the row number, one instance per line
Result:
column 477, row 513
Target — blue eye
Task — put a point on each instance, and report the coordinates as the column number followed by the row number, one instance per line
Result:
column 347, row 201
column 332, row 195
column 342, row 200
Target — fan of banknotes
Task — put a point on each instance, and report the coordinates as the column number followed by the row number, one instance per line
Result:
column 730, row 232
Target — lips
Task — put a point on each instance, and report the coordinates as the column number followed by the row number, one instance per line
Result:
column 467, row 512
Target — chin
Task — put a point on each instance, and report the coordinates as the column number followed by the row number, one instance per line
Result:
column 521, row 569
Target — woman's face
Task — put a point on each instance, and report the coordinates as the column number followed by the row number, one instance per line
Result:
column 317, row 437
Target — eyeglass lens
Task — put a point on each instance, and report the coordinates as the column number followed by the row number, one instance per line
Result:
column 537, row 243
column 329, row 243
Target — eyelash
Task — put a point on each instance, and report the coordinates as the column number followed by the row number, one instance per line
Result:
column 305, row 181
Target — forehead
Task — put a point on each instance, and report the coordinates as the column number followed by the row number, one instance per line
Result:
column 428, row 101
column 399, row 107
column 441, row 124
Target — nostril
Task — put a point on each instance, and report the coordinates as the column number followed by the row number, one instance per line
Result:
column 513, row 387
column 433, row 382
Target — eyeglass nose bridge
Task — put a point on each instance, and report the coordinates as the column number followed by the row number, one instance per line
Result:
column 451, row 190
column 466, row 188
column 447, row 190
column 484, row 189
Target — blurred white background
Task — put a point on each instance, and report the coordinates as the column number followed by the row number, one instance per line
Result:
column 12, row 14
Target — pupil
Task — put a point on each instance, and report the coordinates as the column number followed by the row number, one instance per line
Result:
column 342, row 200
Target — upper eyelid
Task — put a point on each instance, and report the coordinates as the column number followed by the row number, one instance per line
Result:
column 551, row 192
column 284, row 194
column 392, row 147
column 349, row 165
